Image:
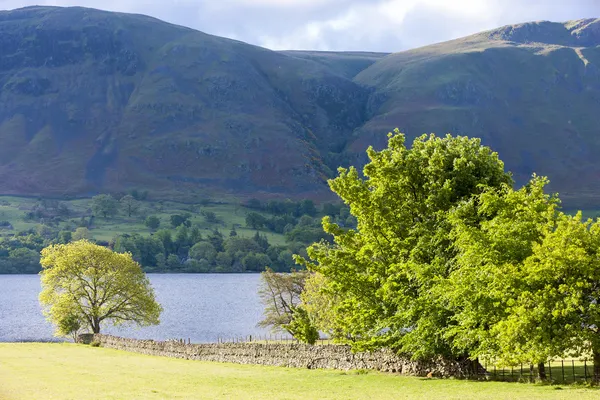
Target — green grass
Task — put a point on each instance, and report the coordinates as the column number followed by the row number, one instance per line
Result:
column 13, row 209
column 66, row 371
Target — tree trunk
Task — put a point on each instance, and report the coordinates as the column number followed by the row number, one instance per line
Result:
column 596, row 355
column 542, row 371
column 531, row 372
column 96, row 325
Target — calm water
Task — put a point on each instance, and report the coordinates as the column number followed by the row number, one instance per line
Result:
column 202, row 307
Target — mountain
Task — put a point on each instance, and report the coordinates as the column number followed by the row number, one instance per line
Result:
column 93, row 101
column 96, row 101
column 530, row 91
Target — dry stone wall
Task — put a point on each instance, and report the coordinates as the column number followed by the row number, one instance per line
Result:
column 288, row 355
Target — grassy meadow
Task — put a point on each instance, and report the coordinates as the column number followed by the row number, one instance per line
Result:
column 13, row 209
column 67, row 371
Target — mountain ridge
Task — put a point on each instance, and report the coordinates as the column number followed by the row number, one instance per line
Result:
column 94, row 101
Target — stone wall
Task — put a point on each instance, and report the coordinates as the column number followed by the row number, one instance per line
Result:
column 289, row 355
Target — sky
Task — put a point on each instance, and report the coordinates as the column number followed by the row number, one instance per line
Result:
column 340, row 25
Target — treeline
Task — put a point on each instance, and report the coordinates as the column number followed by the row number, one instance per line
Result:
column 175, row 244
column 185, row 249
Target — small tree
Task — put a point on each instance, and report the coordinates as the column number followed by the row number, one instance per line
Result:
column 280, row 293
column 178, row 219
column 255, row 220
column 152, row 222
column 130, row 205
column 69, row 325
column 94, row 285
column 301, row 326
column 210, row 217
column 105, row 205
column 81, row 234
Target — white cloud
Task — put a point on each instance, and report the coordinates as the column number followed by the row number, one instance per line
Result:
column 375, row 25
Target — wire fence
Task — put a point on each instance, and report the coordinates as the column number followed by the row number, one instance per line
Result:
column 567, row 371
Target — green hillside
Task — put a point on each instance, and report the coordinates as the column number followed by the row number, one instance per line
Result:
column 530, row 91
column 93, row 101
column 96, row 100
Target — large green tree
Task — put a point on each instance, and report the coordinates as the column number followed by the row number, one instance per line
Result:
column 494, row 234
column 388, row 268
column 95, row 285
column 557, row 310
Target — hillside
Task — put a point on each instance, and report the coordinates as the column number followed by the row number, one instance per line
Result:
column 95, row 101
column 530, row 91
column 92, row 101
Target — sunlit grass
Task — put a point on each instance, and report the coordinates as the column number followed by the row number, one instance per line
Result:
column 66, row 371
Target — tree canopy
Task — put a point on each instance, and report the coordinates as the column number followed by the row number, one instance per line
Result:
column 388, row 266
column 448, row 259
column 94, row 285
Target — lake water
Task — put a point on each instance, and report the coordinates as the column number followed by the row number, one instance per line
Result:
column 201, row 307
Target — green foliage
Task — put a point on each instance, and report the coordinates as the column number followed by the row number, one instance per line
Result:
column 495, row 234
column 96, row 285
column 81, row 234
column 130, row 205
column 104, row 205
column 152, row 222
column 319, row 301
column 180, row 219
column 388, row 268
column 301, row 326
column 69, row 325
column 280, row 294
column 255, row 220
column 123, row 234
column 210, row 217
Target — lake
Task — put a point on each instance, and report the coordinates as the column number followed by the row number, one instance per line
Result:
column 200, row 307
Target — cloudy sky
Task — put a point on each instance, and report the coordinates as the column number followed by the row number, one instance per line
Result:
column 373, row 25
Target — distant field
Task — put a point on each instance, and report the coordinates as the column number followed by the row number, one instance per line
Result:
column 66, row 371
column 13, row 209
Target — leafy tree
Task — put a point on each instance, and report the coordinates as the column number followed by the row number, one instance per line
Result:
column 216, row 239
column 559, row 305
column 388, row 268
column 307, row 207
column 178, row 219
column 65, row 237
column 173, row 262
column 130, row 205
column 210, row 217
column 69, row 325
column 96, row 285
column 152, row 222
column 319, row 300
column 181, row 242
column 203, row 251
column 301, row 326
column 82, row 234
column 256, row 262
column 255, row 220
column 105, row 205
column 195, row 235
column 166, row 238
column 280, row 294
column 495, row 234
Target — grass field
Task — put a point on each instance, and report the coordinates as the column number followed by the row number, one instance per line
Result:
column 65, row 371
column 13, row 209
